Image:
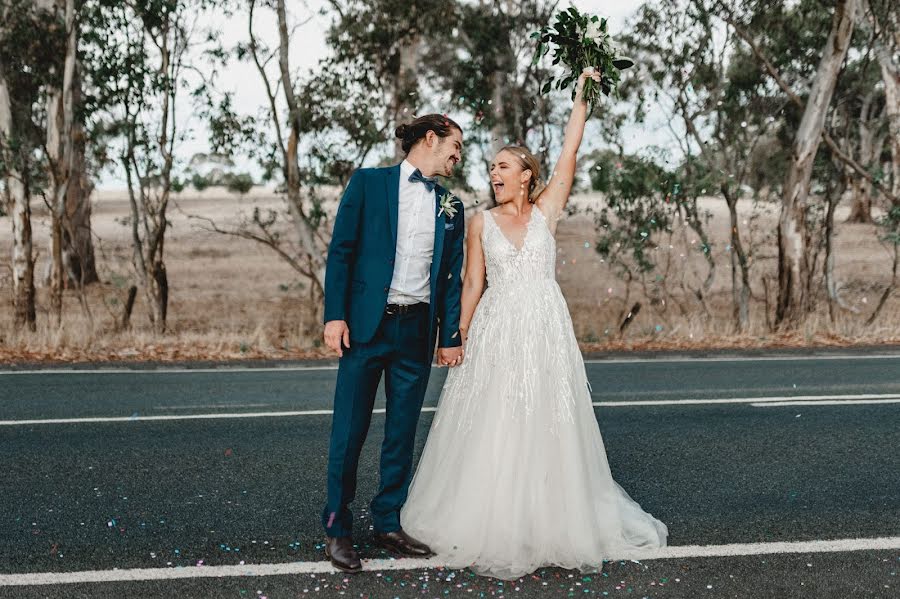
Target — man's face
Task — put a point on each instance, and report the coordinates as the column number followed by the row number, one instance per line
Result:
column 446, row 153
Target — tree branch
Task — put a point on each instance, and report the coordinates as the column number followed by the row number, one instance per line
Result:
column 795, row 99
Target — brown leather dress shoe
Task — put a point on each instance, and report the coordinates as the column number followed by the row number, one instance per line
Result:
column 342, row 554
column 400, row 543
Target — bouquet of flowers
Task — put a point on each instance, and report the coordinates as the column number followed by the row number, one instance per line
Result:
column 580, row 41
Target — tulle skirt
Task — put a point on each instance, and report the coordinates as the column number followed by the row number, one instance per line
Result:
column 514, row 474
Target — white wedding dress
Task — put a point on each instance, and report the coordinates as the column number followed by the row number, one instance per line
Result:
column 514, row 474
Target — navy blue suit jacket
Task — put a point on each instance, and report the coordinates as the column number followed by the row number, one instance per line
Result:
column 361, row 258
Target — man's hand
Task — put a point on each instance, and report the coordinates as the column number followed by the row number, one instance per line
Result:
column 337, row 331
column 450, row 356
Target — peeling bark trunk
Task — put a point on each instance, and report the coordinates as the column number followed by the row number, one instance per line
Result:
column 78, row 243
column 18, row 202
column 60, row 151
column 793, row 268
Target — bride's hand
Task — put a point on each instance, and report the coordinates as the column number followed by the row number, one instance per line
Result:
column 591, row 72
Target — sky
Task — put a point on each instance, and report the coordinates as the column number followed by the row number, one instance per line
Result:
column 308, row 47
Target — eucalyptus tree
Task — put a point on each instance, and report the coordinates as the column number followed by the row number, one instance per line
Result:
column 28, row 47
column 721, row 112
column 141, row 66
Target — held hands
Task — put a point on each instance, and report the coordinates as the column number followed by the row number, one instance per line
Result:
column 450, row 356
column 591, row 72
column 337, row 331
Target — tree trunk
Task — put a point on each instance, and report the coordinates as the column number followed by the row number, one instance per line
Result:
column 405, row 89
column 869, row 148
column 60, row 121
column 155, row 243
column 18, row 201
column 125, row 323
column 740, row 268
column 861, row 211
column 305, row 232
column 890, row 74
column 890, row 288
column 833, row 198
column 885, row 50
column 499, row 132
column 78, row 242
column 792, row 232
column 56, row 161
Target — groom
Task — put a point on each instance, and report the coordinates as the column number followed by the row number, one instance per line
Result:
column 392, row 288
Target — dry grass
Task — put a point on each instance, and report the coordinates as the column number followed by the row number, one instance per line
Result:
column 233, row 299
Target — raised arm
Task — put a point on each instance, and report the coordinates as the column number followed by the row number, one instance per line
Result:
column 474, row 280
column 552, row 200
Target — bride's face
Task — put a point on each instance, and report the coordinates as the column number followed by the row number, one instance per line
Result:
column 508, row 179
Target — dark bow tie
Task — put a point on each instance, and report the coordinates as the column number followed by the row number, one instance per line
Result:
column 417, row 176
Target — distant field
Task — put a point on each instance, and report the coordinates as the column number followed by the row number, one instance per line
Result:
column 233, row 298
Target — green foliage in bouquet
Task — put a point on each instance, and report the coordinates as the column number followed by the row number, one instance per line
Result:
column 579, row 41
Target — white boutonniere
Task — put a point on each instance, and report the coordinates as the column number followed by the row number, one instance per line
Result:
column 447, row 205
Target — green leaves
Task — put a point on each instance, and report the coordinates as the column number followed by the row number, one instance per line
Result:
column 639, row 206
column 579, row 41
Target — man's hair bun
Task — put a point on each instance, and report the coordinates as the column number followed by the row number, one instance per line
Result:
column 410, row 133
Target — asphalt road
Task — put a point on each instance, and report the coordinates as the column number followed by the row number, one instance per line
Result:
column 155, row 481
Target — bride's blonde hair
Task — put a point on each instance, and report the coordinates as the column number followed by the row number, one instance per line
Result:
column 527, row 161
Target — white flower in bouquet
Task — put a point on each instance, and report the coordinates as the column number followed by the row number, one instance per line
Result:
column 594, row 32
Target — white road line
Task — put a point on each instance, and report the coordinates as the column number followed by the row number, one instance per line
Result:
column 804, row 400
column 661, row 359
column 786, row 358
column 796, row 399
column 140, row 418
column 214, row 406
column 822, row 403
column 164, row 370
column 324, row 567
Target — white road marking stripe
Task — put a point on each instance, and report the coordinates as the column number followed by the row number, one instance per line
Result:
column 164, row 370
column 786, row 358
column 799, row 399
column 661, row 359
column 214, row 406
column 822, row 403
column 754, row 401
column 324, row 567
column 169, row 417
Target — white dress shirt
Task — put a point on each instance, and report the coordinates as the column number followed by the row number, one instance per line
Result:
column 415, row 241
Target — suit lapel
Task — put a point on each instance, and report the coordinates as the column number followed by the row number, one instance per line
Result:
column 392, row 189
column 438, row 238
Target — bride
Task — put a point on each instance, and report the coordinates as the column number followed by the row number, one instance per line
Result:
column 514, row 474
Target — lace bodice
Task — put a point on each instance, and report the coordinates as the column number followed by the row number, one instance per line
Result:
column 534, row 261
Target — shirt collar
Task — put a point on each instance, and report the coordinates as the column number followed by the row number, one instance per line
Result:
column 406, row 169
